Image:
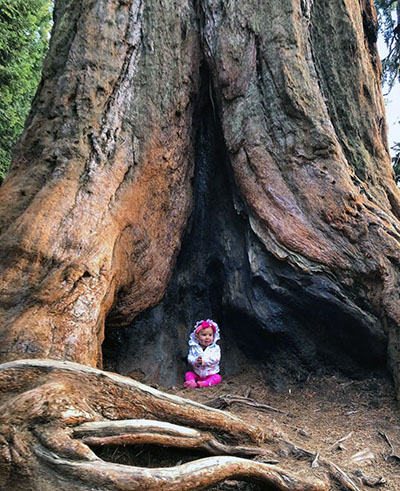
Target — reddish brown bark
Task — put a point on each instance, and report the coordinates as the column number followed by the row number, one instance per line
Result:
column 99, row 192
column 256, row 129
column 98, row 198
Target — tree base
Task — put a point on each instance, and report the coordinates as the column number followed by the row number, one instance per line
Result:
column 54, row 412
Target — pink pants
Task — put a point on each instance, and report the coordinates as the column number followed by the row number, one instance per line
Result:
column 203, row 382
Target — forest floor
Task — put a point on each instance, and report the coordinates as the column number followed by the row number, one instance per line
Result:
column 353, row 423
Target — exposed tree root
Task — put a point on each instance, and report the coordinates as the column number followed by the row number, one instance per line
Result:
column 199, row 474
column 134, row 432
column 52, row 412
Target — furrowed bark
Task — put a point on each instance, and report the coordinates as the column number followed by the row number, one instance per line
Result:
column 183, row 160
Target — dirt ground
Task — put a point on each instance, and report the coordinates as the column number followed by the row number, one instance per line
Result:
column 353, row 423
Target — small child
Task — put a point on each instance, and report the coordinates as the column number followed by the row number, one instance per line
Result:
column 204, row 355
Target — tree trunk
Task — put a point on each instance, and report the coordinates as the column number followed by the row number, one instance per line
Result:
column 293, row 241
column 185, row 160
column 94, row 208
column 267, row 122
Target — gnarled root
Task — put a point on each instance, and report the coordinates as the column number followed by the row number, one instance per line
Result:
column 144, row 431
column 199, row 474
column 52, row 413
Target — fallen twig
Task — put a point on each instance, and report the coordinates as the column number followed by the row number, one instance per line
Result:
column 369, row 481
column 392, row 454
column 315, row 462
column 365, row 454
column 341, row 477
column 335, row 472
column 222, row 402
column 342, row 439
column 386, row 438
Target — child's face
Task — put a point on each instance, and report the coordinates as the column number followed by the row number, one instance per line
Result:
column 205, row 337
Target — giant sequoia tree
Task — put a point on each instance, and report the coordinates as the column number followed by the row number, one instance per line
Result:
column 185, row 159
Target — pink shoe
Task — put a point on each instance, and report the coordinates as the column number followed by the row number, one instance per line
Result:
column 190, row 384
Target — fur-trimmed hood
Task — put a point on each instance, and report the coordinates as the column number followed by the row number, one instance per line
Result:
column 193, row 341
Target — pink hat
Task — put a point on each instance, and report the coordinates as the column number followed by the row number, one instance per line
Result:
column 204, row 324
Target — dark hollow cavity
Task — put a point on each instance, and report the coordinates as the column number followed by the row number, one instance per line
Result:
column 146, row 455
column 273, row 316
column 154, row 456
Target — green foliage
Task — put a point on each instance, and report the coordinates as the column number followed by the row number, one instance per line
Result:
column 24, row 37
column 389, row 26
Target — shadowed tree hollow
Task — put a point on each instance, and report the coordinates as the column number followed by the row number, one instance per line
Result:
column 191, row 159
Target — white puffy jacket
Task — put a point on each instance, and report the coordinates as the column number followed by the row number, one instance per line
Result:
column 211, row 355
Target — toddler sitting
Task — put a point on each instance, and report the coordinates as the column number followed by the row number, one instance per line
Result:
column 204, row 355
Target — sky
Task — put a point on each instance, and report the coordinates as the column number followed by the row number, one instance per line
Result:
column 392, row 102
